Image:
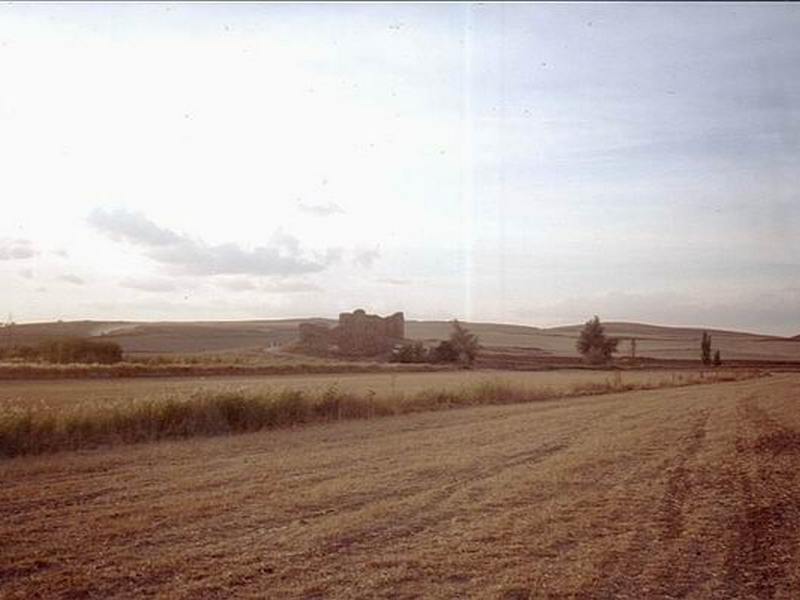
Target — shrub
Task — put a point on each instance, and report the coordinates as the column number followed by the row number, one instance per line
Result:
column 445, row 352
column 19, row 352
column 412, row 352
column 79, row 350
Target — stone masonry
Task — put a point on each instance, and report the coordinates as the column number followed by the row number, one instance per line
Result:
column 357, row 334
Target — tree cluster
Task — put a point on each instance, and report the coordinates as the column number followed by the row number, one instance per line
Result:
column 462, row 347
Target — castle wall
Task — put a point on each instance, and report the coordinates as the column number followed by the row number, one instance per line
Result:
column 358, row 334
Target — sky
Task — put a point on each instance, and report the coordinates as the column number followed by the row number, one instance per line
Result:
column 521, row 163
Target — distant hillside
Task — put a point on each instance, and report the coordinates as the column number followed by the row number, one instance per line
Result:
column 166, row 336
column 651, row 340
column 231, row 336
column 644, row 330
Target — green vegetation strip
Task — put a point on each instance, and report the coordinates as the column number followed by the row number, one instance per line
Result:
column 29, row 431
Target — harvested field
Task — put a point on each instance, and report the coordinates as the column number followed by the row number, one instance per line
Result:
column 689, row 492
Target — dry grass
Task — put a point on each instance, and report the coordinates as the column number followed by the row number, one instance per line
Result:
column 60, row 392
column 675, row 493
column 195, row 367
column 29, row 427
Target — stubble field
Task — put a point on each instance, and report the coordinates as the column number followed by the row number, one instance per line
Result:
column 685, row 492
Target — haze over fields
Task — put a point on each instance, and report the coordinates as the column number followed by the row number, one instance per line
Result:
column 520, row 163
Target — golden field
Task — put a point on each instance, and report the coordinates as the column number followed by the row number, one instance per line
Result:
column 687, row 492
column 38, row 417
column 71, row 392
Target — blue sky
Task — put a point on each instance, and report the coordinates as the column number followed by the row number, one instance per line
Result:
column 526, row 163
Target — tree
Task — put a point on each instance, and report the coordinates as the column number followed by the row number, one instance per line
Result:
column 464, row 343
column 443, row 353
column 705, row 348
column 717, row 359
column 593, row 343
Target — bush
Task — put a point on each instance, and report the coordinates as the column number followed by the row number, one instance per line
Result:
column 413, row 352
column 19, row 352
column 78, row 350
column 445, row 352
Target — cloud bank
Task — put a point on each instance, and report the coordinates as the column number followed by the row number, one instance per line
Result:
column 182, row 255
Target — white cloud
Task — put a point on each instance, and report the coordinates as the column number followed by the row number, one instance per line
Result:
column 72, row 278
column 237, row 284
column 150, row 284
column 16, row 249
column 291, row 287
column 366, row 257
column 245, row 284
column 188, row 256
column 321, row 210
column 133, row 227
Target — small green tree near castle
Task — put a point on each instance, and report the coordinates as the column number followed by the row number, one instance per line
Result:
column 705, row 348
column 593, row 343
column 464, row 343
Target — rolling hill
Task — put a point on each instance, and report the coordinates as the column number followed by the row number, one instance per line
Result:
column 256, row 335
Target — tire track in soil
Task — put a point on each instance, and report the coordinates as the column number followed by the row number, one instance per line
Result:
column 763, row 551
column 426, row 515
column 620, row 571
column 429, row 513
column 679, row 485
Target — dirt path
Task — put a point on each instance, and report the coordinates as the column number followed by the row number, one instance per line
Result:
column 682, row 493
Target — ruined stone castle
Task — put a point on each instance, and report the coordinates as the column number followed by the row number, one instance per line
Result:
column 357, row 334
